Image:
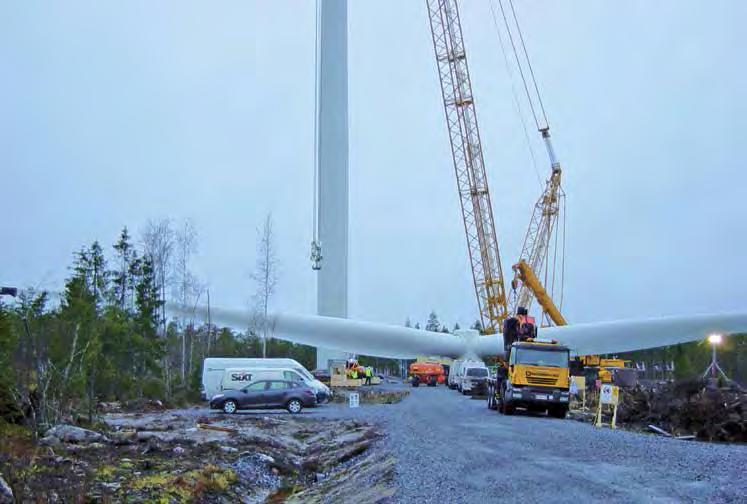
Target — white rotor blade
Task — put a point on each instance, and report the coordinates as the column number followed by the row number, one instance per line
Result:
column 381, row 340
column 366, row 338
column 630, row 335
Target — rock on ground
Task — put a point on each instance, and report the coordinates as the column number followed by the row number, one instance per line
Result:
column 72, row 434
column 6, row 493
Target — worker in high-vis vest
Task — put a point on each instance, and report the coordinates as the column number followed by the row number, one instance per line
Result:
column 369, row 375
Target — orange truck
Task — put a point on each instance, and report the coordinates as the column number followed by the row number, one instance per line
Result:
column 427, row 373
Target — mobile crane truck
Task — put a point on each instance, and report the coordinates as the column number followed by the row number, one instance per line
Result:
column 535, row 373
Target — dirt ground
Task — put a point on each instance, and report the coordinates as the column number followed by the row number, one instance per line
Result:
column 185, row 456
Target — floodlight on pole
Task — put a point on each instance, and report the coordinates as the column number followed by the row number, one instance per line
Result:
column 714, row 369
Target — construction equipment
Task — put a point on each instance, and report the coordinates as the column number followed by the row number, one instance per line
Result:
column 469, row 165
column 428, row 373
column 543, row 226
column 532, row 286
column 535, row 376
column 592, row 366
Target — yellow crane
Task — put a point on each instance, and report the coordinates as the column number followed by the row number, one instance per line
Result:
column 539, row 252
column 469, row 164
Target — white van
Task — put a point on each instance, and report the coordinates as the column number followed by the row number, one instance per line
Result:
column 454, row 370
column 238, row 378
column 473, row 378
column 214, row 374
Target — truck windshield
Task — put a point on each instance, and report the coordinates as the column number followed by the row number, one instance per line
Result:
column 478, row 372
column 536, row 357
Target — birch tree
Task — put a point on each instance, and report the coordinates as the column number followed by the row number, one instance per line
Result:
column 158, row 244
column 187, row 288
column 265, row 276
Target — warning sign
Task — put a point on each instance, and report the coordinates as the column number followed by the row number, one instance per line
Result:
column 354, row 400
column 609, row 394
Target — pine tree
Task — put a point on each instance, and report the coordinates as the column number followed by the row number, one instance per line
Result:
column 456, row 327
column 433, row 324
column 477, row 326
column 417, row 325
column 121, row 276
column 407, row 322
column 99, row 275
column 445, row 329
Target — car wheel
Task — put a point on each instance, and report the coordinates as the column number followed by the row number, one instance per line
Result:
column 230, row 407
column 294, row 406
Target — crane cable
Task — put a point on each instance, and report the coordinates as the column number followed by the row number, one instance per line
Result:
column 521, row 68
column 317, row 89
column 517, row 102
column 536, row 121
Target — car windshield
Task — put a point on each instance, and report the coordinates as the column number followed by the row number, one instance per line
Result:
column 535, row 357
column 478, row 372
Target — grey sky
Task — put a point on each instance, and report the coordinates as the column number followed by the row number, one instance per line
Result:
column 113, row 113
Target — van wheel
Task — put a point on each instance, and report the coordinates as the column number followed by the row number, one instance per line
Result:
column 229, row 407
column 294, row 406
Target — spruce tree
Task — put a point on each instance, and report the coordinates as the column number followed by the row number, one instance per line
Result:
column 433, row 324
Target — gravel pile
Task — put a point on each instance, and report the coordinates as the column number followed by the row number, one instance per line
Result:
column 254, row 468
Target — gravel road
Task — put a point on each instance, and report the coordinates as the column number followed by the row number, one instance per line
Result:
column 451, row 448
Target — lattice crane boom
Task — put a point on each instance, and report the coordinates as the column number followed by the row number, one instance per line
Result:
column 469, row 165
column 543, row 224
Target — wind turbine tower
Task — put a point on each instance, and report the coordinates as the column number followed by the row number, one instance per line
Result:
column 331, row 167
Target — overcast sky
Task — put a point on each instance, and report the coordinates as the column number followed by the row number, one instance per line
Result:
column 112, row 113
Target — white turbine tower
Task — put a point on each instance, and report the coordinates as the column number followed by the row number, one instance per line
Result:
column 331, row 167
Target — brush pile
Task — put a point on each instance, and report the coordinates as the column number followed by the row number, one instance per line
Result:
column 688, row 408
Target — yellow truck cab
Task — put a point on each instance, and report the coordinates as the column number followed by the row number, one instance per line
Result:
column 535, row 377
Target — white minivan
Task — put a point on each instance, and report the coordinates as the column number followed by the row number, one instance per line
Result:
column 234, row 373
column 455, row 372
column 473, row 378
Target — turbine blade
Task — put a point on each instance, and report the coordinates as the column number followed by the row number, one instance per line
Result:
column 630, row 335
column 381, row 340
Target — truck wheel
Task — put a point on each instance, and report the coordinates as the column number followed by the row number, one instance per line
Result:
column 558, row 411
column 506, row 407
column 415, row 384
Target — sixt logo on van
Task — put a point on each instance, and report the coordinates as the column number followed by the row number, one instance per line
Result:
column 241, row 377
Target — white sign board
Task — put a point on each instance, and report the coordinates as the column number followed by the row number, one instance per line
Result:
column 354, row 399
column 609, row 394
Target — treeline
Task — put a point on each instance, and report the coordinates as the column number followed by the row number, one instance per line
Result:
column 108, row 338
column 433, row 324
column 690, row 360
